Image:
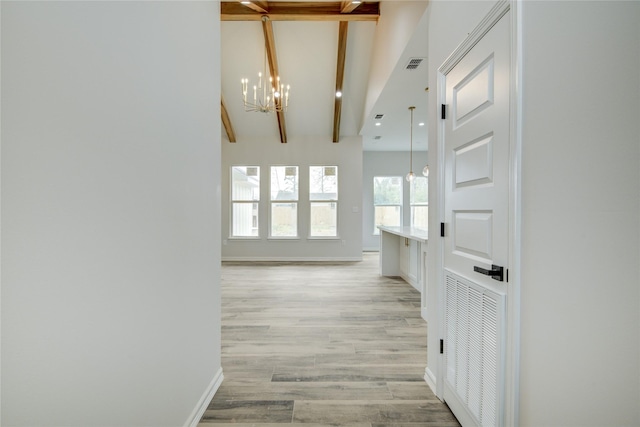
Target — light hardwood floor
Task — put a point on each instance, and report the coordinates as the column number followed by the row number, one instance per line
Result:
column 319, row 344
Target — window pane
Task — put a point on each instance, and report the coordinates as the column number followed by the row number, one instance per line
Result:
column 419, row 191
column 245, row 220
column 284, row 219
column 387, row 190
column 323, row 183
column 420, row 217
column 386, row 215
column 245, row 183
column 284, row 183
column 324, row 219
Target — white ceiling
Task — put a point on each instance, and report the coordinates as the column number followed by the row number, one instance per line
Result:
column 307, row 57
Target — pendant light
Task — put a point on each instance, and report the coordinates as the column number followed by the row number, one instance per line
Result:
column 411, row 176
column 425, row 171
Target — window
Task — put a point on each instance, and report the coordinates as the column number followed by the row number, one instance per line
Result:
column 387, row 201
column 419, row 201
column 323, row 198
column 284, row 201
column 245, row 198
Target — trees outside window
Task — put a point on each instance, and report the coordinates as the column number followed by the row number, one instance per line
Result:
column 387, row 201
column 419, row 201
column 245, row 201
column 284, row 201
column 323, row 199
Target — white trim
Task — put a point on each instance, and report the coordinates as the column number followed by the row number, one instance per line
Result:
column 371, row 249
column 512, row 344
column 491, row 19
column 465, row 418
column 291, row 259
column 323, row 238
column 211, row 390
column 439, row 250
column 423, row 313
column 430, row 379
column 244, row 239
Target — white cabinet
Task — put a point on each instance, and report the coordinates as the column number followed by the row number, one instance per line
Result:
column 403, row 253
column 410, row 261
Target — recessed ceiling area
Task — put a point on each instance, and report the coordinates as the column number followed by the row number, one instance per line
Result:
column 307, row 58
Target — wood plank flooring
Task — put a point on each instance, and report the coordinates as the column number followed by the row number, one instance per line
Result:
column 319, row 344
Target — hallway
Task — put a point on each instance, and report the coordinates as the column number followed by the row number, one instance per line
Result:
column 322, row 344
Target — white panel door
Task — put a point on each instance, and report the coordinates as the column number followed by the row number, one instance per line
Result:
column 476, row 140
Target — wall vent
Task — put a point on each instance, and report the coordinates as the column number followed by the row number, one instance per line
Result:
column 377, row 137
column 379, row 116
column 414, row 63
column 473, row 350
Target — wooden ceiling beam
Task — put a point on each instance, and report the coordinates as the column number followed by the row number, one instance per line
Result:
column 349, row 6
column 270, row 45
column 257, row 6
column 342, row 54
column 300, row 11
column 226, row 121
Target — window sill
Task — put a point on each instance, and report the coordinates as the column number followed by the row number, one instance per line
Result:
column 324, row 238
column 296, row 238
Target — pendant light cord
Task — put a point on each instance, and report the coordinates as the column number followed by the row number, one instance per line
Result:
column 411, row 141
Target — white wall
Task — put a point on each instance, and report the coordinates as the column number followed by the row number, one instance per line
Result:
column 388, row 163
column 110, row 212
column 580, row 282
column 302, row 152
column 580, row 297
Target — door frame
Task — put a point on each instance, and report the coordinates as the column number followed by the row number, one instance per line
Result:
column 512, row 353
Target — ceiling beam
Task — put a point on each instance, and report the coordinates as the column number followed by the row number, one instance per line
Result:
column 226, row 121
column 258, row 6
column 342, row 53
column 300, row 11
column 270, row 45
column 349, row 6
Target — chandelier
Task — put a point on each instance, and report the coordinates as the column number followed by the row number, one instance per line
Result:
column 268, row 95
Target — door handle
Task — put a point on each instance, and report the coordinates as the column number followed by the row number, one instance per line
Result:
column 496, row 272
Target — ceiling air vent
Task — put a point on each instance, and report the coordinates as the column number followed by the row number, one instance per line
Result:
column 413, row 63
column 379, row 116
column 377, row 137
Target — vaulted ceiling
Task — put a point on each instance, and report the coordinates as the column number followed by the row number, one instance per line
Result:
column 318, row 48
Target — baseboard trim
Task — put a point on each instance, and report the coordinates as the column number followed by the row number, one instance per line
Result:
column 430, row 379
column 211, row 390
column 292, row 259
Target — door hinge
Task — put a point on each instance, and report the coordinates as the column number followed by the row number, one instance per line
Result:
column 441, row 346
column 442, row 229
column 443, row 111
column 507, row 274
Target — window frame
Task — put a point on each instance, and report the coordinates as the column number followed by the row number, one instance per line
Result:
column 333, row 200
column 412, row 204
column 400, row 204
column 234, row 202
column 295, row 201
